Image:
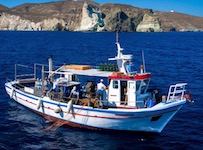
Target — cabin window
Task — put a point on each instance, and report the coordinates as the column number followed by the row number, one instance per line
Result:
column 73, row 77
column 115, row 84
column 138, row 85
column 144, row 86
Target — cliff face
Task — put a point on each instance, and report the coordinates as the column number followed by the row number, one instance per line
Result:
column 3, row 8
column 149, row 24
column 46, row 16
column 173, row 21
column 121, row 17
column 91, row 19
column 89, row 16
column 13, row 22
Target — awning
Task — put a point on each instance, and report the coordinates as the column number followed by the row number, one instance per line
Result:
column 88, row 72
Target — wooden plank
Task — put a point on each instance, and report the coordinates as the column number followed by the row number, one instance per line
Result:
column 78, row 67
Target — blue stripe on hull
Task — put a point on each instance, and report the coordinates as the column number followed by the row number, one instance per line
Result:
column 118, row 113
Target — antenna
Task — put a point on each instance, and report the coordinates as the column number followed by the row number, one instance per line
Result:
column 117, row 40
column 143, row 61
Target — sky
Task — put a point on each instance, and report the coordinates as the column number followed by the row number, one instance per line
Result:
column 191, row 7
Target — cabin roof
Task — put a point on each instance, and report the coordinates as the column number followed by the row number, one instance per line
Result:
column 89, row 72
column 110, row 75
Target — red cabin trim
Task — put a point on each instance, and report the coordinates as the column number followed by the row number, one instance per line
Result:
column 134, row 77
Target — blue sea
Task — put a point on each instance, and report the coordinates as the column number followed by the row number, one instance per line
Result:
column 170, row 57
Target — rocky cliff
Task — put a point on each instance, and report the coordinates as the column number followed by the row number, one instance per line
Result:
column 91, row 19
column 86, row 15
column 149, row 23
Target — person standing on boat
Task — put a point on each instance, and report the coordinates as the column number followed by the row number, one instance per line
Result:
column 45, row 86
column 74, row 95
column 101, row 90
column 49, row 87
column 125, row 96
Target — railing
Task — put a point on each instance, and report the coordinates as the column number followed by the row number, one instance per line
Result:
column 176, row 91
column 8, row 80
column 20, row 76
column 139, row 104
column 32, row 74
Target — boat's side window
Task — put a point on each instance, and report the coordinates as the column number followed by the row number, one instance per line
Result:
column 115, row 84
column 138, row 85
column 74, row 77
column 144, row 86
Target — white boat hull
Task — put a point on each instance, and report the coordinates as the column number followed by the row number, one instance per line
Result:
column 142, row 120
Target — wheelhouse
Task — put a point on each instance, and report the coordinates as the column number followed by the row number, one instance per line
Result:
column 129, row 90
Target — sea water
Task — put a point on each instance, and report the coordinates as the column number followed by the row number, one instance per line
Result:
column 170, row 57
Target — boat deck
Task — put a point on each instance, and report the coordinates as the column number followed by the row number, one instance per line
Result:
column 29, row 88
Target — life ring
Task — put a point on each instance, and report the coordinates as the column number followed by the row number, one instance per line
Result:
column 58, row 109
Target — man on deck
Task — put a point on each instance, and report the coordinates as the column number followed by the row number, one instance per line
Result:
column 100, row 90
column 74, row 95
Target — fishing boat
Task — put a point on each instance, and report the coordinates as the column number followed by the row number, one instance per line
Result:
column 126, row 102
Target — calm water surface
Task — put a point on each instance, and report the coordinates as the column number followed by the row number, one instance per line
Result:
column 170, row 57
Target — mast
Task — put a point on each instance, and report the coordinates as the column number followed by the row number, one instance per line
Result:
column 122, row 60
column 119, row 49
column 51, row 67
column 143, row 61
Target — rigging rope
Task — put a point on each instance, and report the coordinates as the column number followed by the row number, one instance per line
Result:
column 59, row 123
